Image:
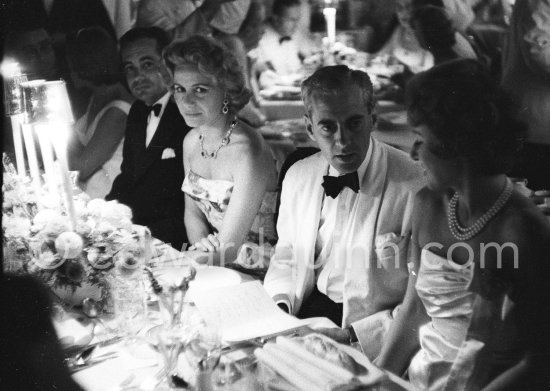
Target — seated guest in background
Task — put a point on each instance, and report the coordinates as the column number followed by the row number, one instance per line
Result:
column 526, row 74
column 253, row 26
column 230, row 176
column 32, row 359
column 95, row 149
column 32, row 47
column 403, row 45
column 477, row 310
column 281, row 50
column 435, row 33
column 344, row 218
column 151, row 170
column 59, row 17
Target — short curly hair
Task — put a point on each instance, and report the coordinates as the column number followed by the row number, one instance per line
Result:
column 332, row 79
column 469, row 113
column 212, row 59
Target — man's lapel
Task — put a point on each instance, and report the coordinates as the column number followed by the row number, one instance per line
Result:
column 160, row 140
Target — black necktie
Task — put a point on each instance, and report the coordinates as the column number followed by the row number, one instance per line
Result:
column 283, row 39
column 155, row 109
column 333, row 185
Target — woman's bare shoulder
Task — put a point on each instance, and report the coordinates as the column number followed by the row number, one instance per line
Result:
column 191, row 140
column 248, row 142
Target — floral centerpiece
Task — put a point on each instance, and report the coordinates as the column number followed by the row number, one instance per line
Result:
column 38, row 239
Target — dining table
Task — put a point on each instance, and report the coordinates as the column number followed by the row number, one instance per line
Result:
column 134, row 362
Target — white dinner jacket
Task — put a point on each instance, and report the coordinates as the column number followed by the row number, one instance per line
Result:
column 374, row 280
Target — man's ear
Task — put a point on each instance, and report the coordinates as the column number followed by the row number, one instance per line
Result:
column 309, row 127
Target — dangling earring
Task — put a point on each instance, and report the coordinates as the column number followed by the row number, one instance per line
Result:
column 225, row 107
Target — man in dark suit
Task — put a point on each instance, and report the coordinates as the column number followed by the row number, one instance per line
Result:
column 152, row 166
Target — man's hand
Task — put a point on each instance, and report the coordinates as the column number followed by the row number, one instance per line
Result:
column 336, row 333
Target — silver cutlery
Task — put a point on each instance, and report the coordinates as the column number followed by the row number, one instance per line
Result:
column 83, row 363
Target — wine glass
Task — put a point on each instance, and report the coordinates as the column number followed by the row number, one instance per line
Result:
column 203, row 351
column 170, row 344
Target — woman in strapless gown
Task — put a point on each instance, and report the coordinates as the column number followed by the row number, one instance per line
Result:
column 230, row 175
column 477, row 307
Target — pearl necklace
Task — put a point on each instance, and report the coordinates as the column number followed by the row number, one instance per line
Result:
column 466, row 233
column 225, row 140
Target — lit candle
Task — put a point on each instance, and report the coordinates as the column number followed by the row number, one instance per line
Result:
column 31, row 155
column 30, row 98
column 61, row 153
column 330, row 18
column 57, row 115
column 41, row 131
column 13, row 107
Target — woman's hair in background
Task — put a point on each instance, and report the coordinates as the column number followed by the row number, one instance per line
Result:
column 434, row 27
column 214, row 60
column 93, row 55
column 469, row 113
column 518, row 65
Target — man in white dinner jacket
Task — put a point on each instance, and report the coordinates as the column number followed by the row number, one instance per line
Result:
column 344, row 218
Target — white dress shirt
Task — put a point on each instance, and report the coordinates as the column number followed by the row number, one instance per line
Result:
column 153, row 120
column 328, row 254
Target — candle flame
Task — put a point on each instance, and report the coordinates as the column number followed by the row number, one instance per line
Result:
column 10, row 68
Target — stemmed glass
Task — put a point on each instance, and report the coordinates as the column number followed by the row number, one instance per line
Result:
column 203, row 351
column 170, row 337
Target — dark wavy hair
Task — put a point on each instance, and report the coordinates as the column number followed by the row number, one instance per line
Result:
column 469, row 113
column 332, row 79
column 435, row 27
column 93, row 55
column 212, row 59
column 155, row 33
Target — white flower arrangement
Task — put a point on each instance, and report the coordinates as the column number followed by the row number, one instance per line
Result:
column 37, row 239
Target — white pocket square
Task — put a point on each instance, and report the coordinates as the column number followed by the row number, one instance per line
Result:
column 168, row 153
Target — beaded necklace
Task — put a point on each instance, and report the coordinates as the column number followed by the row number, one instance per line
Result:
column 225, row 140
column 466, row 233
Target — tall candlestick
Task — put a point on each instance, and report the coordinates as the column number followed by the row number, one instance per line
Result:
column 31, row 154
column 18, row 143
column 47, row 157
column 56, row 115
column 61, row 153
column 13, row 107
column 30, row 101
column 330, row 18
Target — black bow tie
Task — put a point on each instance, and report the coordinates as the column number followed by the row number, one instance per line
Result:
column 333, row 185
column 155, row 109
column 283, row 39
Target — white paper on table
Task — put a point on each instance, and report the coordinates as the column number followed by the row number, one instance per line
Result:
column 244, row 312
column 71, row 332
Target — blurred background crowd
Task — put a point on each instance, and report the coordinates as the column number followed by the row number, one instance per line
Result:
column 276, row 41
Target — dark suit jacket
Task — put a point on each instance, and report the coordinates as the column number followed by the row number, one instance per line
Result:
column 148, row 184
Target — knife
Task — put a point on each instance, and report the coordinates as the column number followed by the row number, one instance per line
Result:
column 72, row 351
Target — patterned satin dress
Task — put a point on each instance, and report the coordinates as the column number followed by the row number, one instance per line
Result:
column 212, row 197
